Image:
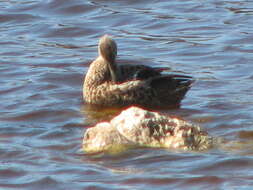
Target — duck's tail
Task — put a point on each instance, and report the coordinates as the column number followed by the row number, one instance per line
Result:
column 183, row 82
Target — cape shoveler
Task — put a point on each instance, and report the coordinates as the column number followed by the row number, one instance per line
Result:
column 109, row 84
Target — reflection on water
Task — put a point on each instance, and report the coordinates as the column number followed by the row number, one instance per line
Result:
column 46, row 47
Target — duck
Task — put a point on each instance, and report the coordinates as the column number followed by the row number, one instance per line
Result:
column 109, row 84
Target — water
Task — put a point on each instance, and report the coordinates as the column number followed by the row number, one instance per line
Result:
column 46, row 47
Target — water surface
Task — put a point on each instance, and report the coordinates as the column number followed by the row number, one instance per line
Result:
column 46, row 47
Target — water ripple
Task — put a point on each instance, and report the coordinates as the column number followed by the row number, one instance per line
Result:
column 46, row 47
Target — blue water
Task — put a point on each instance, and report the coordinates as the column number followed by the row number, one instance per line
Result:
column 46, row 48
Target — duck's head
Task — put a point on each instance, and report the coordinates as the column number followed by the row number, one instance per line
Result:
column 107, row 49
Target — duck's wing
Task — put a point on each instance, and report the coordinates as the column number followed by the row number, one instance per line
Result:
column 139, row 72
column 159, row 91
column 172, row 83
column 169, row 90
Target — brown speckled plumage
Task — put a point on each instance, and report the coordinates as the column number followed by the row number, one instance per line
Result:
column 109, row 84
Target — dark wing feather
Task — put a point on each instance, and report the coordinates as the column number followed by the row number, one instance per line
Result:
column 139, row 72
column 160, row 91
column 171, row 82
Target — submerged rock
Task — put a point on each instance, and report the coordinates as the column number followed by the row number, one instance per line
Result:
column 136, row 127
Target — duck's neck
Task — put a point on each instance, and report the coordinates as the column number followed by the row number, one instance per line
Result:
column 113, row 71
column 101, row 71
column 97, row 74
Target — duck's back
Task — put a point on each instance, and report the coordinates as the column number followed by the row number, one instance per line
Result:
column 158, row 91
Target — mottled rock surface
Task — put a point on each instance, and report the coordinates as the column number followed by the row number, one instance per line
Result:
column 136, row 127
